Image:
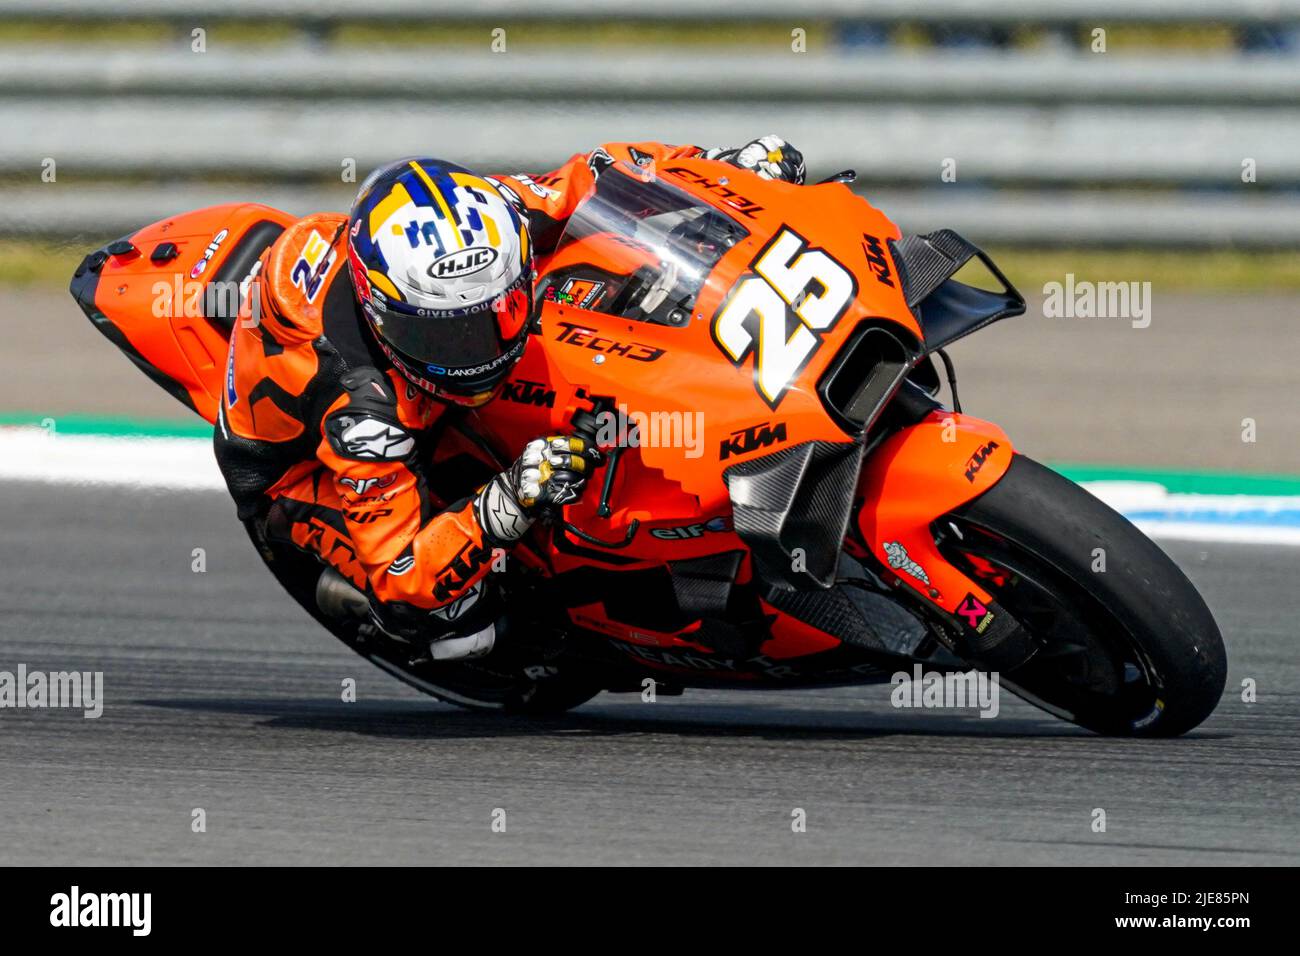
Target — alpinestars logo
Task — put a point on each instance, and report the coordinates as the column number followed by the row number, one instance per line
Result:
column 499, row 513
column 599, row 160
column 370, row 438
column 563, row 493
column 402, row 565
column 459, row 606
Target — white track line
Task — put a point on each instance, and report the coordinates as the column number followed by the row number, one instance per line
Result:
column 182, row 464
column 187, row 464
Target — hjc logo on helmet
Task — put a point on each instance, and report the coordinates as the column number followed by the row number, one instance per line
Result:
column 463, row 262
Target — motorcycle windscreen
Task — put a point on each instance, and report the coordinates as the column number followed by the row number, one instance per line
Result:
column 649, row 249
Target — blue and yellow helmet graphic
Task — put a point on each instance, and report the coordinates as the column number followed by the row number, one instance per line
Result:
column 442, row 267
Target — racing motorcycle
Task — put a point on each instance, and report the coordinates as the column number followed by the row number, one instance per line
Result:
column 785, row 502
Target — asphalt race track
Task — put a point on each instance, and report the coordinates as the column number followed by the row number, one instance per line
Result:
column 222, row 695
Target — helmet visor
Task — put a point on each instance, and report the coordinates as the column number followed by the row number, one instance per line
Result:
column 463, row 350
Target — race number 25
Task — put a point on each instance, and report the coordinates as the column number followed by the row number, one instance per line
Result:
column 780, row 312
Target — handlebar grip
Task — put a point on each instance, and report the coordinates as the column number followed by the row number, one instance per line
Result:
column 584, row 425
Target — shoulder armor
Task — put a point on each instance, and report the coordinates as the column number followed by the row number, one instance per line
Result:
column 367, row 428
column 300, row 266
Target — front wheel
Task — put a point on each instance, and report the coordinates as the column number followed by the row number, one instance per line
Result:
column 1127, row 645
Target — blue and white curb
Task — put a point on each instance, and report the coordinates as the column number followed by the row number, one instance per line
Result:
column 1160, row 513
column 172, row 463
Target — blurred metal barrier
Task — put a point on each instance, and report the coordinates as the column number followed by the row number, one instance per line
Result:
column 298, row 138
column 867, row 78
column 1049, row 218
column 1000, row 143
column 874, row 11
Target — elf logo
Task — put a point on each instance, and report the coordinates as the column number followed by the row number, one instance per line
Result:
column 976, row 461
column 689, row 531
column 749, row 439
column 201, row 266
column 74, row 909
column 463, row 262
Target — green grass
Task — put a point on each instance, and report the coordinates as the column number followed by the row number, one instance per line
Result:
column 39, row 263
column 584, row 34
column 48, row 262
column 1172, row 270
column 119, row 32
column 536, row 35
column 549, row 35
column 144, row 32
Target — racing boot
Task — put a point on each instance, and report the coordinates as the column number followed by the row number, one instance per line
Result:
column 340, row 599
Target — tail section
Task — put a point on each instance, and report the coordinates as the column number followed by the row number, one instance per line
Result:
column 168, row 295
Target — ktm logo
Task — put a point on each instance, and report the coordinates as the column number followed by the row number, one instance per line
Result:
column 333, row 547
column 463, row 262
column 751, row 439
column 523, row 392
column 877, row 259
column 976, row 461
column 460, row 569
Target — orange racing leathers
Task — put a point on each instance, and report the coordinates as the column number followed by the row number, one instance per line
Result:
column 321, row 442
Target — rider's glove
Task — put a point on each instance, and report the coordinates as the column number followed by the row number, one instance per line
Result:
column 770, row 156
column 549, row 474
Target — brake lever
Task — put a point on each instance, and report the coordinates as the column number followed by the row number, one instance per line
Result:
column 611, row 466
column 584, row 425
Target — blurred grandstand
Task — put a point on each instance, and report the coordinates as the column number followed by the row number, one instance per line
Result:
column 1016, row 123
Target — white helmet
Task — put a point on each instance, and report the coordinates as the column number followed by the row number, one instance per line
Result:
column 442, row 268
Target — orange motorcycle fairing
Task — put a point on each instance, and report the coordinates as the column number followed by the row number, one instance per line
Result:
column 168, row 295
column 916, row 476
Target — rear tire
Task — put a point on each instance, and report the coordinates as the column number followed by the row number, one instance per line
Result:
column 1131, row 650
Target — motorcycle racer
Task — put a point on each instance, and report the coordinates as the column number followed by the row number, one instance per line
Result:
column 334, row 397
